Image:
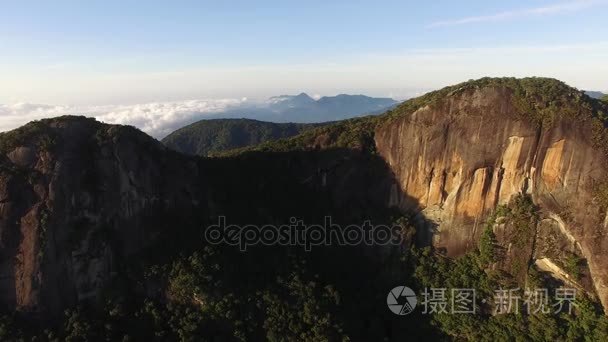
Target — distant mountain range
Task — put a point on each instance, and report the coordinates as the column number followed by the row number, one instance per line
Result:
column 595, row 94
column 304, row 109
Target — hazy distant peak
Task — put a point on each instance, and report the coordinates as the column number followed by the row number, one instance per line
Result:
column 300, row 98
column 350, row 103
column 303, row 96
column 595, row 94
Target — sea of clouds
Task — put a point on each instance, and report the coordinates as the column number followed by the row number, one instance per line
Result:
column 158, row 119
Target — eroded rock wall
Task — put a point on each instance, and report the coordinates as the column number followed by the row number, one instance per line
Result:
column 459, row 158
column 71, row 212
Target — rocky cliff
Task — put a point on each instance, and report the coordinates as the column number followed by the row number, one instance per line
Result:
column 78, row 199
column 480, row 145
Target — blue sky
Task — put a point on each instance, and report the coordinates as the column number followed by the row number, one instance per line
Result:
column 127, row 52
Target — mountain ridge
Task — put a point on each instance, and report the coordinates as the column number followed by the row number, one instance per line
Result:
column 206, row 137
column 302, row 108
column 595, row 94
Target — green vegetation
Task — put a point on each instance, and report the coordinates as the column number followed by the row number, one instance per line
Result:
column 42, row 231
column 587, row 323
column 540, row 100
column 522, row 218
column 477, row 270
column 354, row 133
column 538, row 97
column 212, row 136
column 573, row 265
column 42, row 134
column 487, row 242
column 44, row 137
column 519, row 218
column 605, row 98
column 214, row 295
column 211, row 299
column 522, row 214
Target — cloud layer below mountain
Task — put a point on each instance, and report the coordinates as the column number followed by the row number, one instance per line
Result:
column 161, row 118
column 157, row 119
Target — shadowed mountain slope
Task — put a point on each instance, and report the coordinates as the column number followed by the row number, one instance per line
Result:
column 208, row 136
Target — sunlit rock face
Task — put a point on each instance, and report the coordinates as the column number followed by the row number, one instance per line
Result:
column 468, row 153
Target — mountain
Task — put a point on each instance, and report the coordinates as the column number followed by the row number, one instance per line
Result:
column 105, row 234
column 291, row 101
column 342, row 105
column 595, row 94
column 216, row 135
column 304, row 109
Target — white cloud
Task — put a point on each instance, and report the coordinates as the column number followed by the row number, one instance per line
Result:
column 157, row 119
column 160, row 119
column 537, row 11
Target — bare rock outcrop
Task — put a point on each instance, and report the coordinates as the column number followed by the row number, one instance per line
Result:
column 460, row 157
column 77, row 198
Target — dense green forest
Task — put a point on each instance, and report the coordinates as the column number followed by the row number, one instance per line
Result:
column 211, row 136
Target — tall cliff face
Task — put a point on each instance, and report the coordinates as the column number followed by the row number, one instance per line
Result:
column 460, row 157
column 78, row 199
